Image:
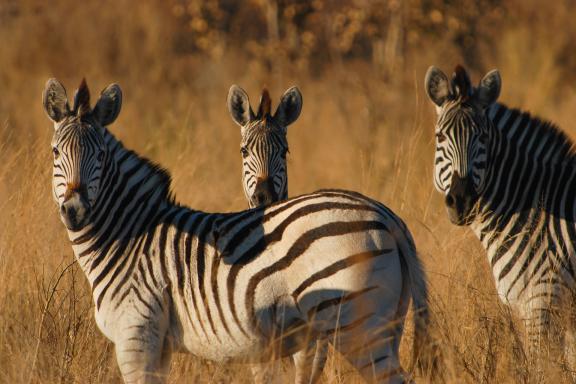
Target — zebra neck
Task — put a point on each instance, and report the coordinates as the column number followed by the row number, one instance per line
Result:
column 530, row 182
column 133, row 196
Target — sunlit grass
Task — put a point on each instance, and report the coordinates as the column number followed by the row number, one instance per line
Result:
column 358, row 130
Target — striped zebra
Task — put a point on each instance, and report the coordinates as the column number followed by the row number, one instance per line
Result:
column 227, row 287
column 265, row 180
column 264, row 145
column 512, row 178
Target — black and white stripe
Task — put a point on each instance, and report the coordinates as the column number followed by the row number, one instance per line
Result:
column 331, row 265
column 264, row 148
column 515, row 182
column 264, row 145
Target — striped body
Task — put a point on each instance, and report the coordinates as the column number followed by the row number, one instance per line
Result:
column 512, row 178
column 241, row 286
column 527, row 217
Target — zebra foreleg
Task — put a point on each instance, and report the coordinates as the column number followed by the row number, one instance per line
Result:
column 143, row 354
column 546, row 335
column 310, row 362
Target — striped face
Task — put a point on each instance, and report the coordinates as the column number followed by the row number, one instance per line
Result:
column 264, row 145
column 78, row 147
column 264, row 172
column 79, row 156
column 461, row 147
column 462, row 138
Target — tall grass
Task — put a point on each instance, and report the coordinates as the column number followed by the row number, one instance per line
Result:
column 366, row 125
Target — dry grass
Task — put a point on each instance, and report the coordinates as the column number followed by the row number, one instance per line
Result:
column 360, row 129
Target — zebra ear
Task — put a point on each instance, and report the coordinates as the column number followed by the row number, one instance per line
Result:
column 437, row 86
column 108, row 106
column 489, row 88
column 289, row 108
column 55, row 101
column 239, row 106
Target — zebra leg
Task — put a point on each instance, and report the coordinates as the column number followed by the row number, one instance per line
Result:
column 570, row 336
column 261, row 373
column 570, row 349
column 310, row 362
column 143, row 354
column 376, row 359
column 371, row 343
column 266, row 372
column 544, row 330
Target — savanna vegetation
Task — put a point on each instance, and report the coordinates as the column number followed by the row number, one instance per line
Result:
column 366, row 125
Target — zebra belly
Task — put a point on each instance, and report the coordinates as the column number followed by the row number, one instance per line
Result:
column 279, row 334
column 103, row 325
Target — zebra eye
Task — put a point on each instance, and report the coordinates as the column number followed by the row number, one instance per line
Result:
column 100, row 156
column 244, row 152
column 55, row 152
column 284, row 153
column 440, row 137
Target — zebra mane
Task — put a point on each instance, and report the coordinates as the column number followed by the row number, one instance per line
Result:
column 161, row 174
column 563, row 146
column 265, row 105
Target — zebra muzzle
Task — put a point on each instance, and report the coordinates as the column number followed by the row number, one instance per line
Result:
column 75, row 210
column 460, row 200
column 264, row 193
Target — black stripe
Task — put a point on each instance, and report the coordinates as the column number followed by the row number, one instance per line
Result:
column 166, row 224
column 273, row 237
column 206, row 231
column 337, row 301
column 300, row 246
column 336, row 267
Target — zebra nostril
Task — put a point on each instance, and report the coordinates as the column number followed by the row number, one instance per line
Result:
column 261, row 198
column 450, row 201
column 68, row 211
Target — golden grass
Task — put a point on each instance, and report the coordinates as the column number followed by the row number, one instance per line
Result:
column 359, row 130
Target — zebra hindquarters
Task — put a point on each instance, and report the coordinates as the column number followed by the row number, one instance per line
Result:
column 361, row 309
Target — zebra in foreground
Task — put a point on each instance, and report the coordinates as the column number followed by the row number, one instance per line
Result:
column 226, row 287
column 263, row 148
column 512, row 178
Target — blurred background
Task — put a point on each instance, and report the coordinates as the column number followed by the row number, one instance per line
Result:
column 366, row 125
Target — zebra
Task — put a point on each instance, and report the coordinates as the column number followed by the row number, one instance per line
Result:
column 265, row 180
column 230, row 287
column 511, row 178
column 264, row 145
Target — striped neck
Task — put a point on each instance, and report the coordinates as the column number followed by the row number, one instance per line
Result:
column 525, row 155
column 134, row 195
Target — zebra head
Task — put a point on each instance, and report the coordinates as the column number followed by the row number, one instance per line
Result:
column 264, row 145
column 78, row 146
column 463, row 134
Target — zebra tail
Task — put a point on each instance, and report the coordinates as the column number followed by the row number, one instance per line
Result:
column 422, row 358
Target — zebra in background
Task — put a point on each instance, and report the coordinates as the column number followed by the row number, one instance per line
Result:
column 227, row 287
column 264, row 145
column 263, row 148
column 511, row 178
